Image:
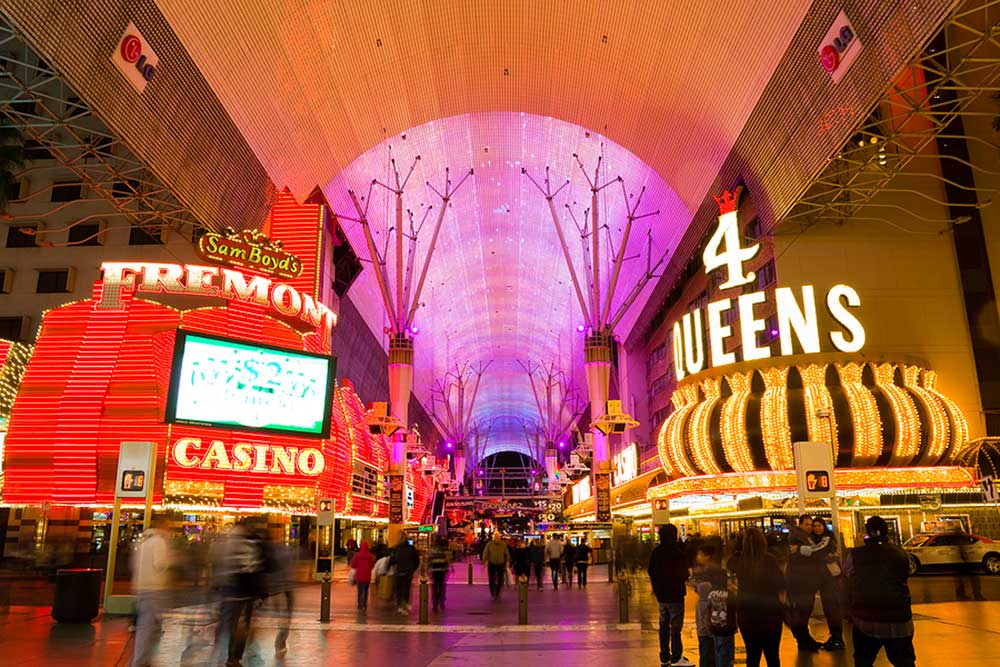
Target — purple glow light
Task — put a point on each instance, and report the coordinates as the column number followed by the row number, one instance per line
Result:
column 449, row 445
column 774, row 332
column 581, row 328
column 561, row 445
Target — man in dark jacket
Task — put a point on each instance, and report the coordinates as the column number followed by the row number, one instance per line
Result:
column 668, row 572
column 804, row 578
column 406, row 559
column 879, row 598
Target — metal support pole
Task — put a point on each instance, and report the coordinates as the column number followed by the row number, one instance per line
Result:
column 470, row 572
column 611, row 567
column 622, row 598
column 109, row 571
column 424, row 615
column 522, row 600
column 324, row 598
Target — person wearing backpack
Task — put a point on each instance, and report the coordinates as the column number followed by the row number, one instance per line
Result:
column 439, row 562
column 715, row 618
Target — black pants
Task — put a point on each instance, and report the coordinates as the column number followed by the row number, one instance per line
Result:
column 801, row 599
column 899, row 651
column 403, row 584
column 829, row 595
column 581, row 574
column 496, row 578
column 762, row 642
column 554, row 566
column 537, row 568
column 437, row 587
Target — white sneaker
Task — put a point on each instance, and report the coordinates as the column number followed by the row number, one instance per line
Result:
column 683, row 662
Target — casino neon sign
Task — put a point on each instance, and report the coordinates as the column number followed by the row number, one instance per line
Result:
column 796, row 313
column 247, row 457
column 213, row 281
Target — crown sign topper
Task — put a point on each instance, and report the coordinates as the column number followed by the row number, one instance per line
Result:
column 728, row 201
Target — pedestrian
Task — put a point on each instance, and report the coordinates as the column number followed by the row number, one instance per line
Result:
column 879, row 598
column 151, row 577
column 760, row 590
column 553, row 554
column 803, row 581
column 716, row 646
column 583, row 552
column 246, row 571
column 668, row 572
column 496, row 555
column 280, row 586
column 363, row 564
column 568, row 561
column 536, row 554
column 352, row 548
column 438, row 562
column 828, row 571
column 521, row 560
column 406, row 560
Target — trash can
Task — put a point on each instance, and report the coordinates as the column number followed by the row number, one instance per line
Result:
column 78, row 595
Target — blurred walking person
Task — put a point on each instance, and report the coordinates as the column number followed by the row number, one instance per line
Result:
column 553, row 554
column 406, row 560
column 244, row 582
column 568, row 561
column 536, row 554
column 803, row 581
column 879, row 598
column 281, row 560
column 521, row 560
column 668, row 572
column 438, row 562
column 759, row 598
column 828, row 571
column 496, row 555
column 363, row 563
column 151, row 577
column 582, row 557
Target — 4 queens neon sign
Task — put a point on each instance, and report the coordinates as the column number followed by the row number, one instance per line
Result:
column 796, row 312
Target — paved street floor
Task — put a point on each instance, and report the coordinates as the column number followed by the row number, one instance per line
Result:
column 571, row 627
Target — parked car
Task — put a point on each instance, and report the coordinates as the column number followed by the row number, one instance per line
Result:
column 952, row 550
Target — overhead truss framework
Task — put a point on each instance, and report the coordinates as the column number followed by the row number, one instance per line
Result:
column 901, row 132
column 42, row 107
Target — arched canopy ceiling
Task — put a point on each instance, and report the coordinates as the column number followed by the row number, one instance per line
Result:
column 322, row 89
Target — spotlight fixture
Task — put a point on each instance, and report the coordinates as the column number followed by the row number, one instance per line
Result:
column 379, row 421
column 615, row 421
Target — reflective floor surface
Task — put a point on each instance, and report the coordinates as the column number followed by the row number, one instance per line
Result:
column 565, row 627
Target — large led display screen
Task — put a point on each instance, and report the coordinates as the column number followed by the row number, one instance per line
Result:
column 237, row 384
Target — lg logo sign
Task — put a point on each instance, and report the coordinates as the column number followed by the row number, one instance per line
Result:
column 135, row 58
column 839, row 48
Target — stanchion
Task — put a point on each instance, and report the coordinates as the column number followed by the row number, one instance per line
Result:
column 324, row 599
column 522, row 600
column 622, row 598
column 470, row 572
column 424, row 616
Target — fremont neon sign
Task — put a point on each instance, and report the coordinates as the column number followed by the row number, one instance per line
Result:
column 212, row 281
column 247, row 457
column 796, row 313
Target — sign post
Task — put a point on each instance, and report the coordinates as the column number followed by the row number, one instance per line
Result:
column 814, row 475
column 602, row 497
column 325, row 519
column 134, row 479
column 661, row 511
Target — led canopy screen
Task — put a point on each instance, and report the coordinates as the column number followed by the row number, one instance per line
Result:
column 237, row 384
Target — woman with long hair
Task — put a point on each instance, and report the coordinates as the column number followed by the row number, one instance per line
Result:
column 828, row 573
column 760, row 589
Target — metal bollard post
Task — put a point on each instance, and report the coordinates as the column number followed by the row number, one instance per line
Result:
column 324, row 599
column 522, row 600
column 424, row 616
column 622, row 598
column 470, row 572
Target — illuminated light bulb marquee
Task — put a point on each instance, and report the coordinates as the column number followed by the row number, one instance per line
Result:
column 761, row 408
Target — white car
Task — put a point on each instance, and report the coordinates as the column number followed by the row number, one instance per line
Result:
column 952, row 550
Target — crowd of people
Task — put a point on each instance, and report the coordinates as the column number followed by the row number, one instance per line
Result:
column 755, row 586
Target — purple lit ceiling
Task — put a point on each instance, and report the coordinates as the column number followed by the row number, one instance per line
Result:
column 319, row 88
column 498, row 288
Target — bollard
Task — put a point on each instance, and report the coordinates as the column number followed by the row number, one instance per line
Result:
column 324, row 599
column 424, row 616
column 611, row 568
column 470, row 572
column 522, row 600
column 622, row 598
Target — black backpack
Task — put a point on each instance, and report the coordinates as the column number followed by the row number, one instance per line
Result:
column 721, row 613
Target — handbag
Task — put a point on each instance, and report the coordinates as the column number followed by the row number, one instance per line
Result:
column 834, row 568
column 352, row 576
